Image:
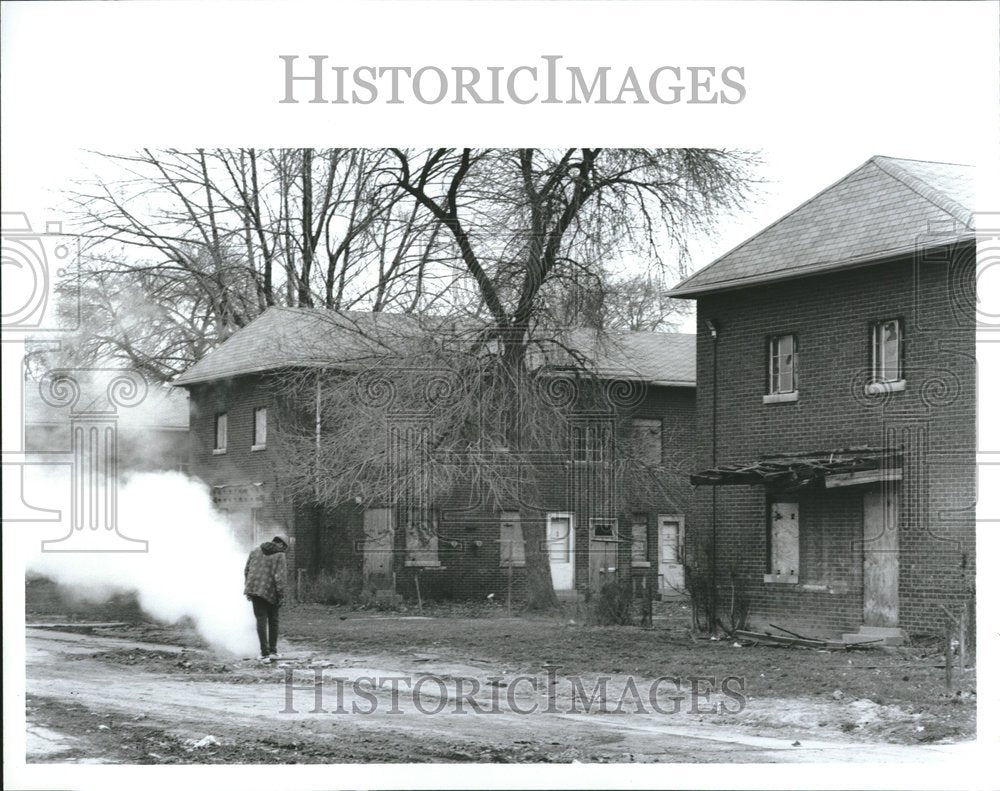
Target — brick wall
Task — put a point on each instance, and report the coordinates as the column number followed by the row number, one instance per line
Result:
column 469, row 547
column 934, row 418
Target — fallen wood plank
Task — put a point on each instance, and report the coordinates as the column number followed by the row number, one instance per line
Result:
column 793, row 634
column 777, row 639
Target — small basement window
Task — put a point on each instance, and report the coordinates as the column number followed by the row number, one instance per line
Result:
column 783, row 542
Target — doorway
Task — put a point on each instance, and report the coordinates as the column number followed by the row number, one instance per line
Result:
column 881, row 558
column 670, row 571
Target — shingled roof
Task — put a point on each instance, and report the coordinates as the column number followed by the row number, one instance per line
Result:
column 883, row 208
column 313, row 338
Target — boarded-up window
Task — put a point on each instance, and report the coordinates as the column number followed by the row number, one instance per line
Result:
column 260, row 427
column 640, row 539
column 647, row 440
column 784, row 364
column 421, row 538
column 511, row 539
column 784, row 538
column 221, row 430
column 887, row 348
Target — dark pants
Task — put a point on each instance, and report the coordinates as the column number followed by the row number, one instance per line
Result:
column 267, row 624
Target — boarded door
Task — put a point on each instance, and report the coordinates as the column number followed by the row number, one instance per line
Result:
column 559, row 541
column 603, row 552
column 881, row 563
column 378, row 546
column 671, row 560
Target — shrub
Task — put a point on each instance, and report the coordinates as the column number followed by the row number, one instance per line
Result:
column 614, row 603
column 340, row 586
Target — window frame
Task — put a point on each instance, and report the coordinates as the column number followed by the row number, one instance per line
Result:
column 772, row 377
column 638, row 424
column 791, row 576
column 223, row 419
column 255, row 444
column 876, row 365
column 640, row 560
column 596, row 452
column 611, row 522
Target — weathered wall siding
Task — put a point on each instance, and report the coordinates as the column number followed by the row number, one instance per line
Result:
column 831, row 315
column 331, row 538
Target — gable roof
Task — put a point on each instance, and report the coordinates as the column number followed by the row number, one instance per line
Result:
column 283, row 337
column 313, row 338
column 885, row 207
column 659, row 358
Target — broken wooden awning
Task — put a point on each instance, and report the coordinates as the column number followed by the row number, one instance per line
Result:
column 792, row 471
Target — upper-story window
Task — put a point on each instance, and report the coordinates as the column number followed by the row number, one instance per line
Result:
column 590, row 442
column 783, row 368
column 259, row 428
column 887, row 351
column 221, row 432
column 647, row 439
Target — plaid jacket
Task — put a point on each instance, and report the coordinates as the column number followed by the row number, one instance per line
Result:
column 264, row 574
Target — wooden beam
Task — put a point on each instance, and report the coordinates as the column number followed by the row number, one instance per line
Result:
column 862, row 477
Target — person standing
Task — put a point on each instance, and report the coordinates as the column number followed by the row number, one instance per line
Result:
column 264, row 587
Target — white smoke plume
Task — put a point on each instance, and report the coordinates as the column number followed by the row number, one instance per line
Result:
column 193, row 568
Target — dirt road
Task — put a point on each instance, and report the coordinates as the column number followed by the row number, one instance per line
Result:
column 98, row 698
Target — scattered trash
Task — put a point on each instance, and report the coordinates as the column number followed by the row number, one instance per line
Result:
column 838, row 695
column 796, row 743
column 103, row 728
column 737, row 645
column 140, row 716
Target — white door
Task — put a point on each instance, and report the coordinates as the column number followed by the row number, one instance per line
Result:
column 559, row 541
column 671, row 556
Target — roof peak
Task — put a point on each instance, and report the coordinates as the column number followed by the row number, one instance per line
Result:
column 834, row 226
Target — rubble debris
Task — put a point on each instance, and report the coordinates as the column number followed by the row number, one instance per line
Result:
column 205, row 741
column 783, row 641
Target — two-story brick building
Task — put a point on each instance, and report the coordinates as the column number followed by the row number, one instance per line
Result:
column 837, row 405
column 471, row 550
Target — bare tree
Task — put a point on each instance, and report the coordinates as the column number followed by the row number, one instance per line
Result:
column 205, row 240
column 523, row 219
column 224, row 234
